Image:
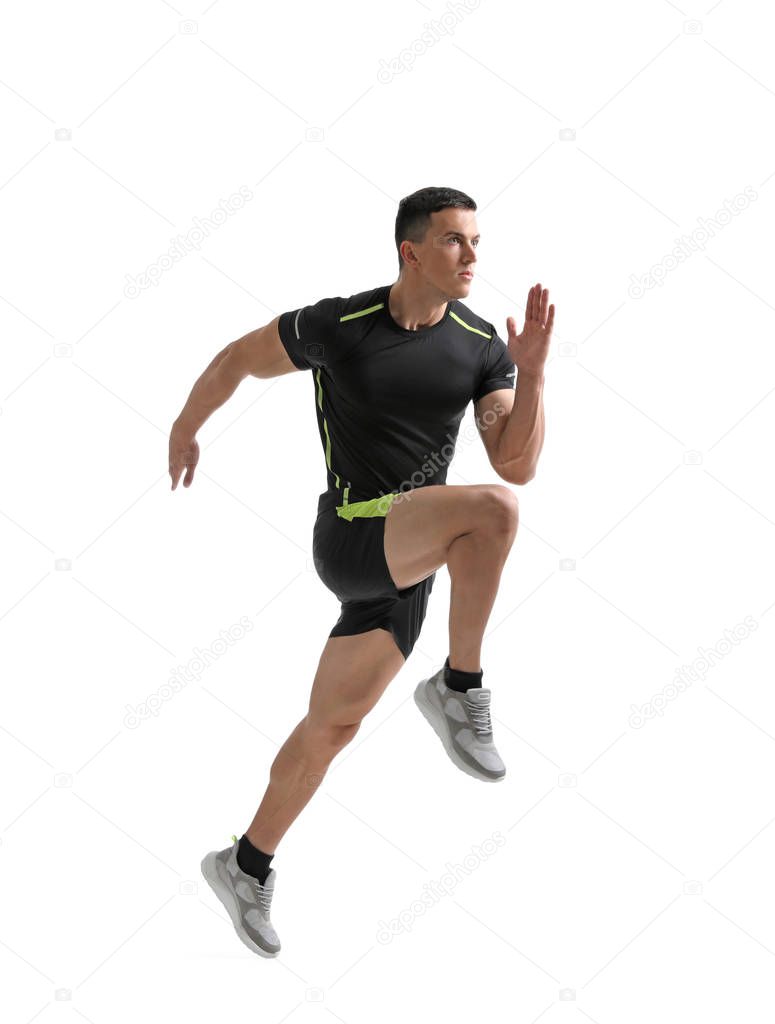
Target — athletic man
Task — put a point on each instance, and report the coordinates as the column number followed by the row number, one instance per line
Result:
column 394, row 369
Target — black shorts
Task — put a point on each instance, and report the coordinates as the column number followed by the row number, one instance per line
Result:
column 349, row 557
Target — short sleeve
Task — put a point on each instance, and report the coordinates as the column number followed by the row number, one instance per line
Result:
column 499, row 369
column 309, row 334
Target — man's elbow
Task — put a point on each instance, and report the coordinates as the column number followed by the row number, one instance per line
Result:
column 517, row 472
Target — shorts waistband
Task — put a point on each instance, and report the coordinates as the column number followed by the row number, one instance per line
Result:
column 341, row 500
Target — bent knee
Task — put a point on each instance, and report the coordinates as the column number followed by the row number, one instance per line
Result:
column 501, row 508
column 333, row 732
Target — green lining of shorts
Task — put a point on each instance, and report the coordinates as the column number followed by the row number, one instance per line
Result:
column 366, row 509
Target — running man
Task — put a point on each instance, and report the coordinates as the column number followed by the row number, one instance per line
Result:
column 393, row 370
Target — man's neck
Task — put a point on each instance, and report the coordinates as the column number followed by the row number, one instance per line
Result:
column 415, row 308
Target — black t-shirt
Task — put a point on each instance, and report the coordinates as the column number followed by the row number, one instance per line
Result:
column 389, row 401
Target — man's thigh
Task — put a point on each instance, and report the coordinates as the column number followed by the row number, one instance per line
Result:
column 421, row 524
column 353, row 673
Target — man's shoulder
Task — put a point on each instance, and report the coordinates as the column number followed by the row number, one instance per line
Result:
column 334, row 310
column 361, row 304
column 464, row 317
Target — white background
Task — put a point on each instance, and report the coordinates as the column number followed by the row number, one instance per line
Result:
column 635, row 880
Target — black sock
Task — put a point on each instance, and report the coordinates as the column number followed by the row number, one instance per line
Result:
column 253, row 861
column 461, row 681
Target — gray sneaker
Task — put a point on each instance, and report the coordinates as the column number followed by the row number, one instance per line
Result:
column 462, row 723
column 247, row 901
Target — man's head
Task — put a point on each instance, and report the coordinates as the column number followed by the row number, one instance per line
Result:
column 436, row 237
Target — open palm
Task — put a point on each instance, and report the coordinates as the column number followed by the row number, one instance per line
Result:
column 530, row 348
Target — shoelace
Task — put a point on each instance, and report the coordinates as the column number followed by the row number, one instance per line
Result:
column 263, row 896
column 480, row 716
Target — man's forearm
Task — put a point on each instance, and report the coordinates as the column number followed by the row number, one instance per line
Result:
column 522, row 437
column 209, row 392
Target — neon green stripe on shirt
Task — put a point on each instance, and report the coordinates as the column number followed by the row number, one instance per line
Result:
column 468, row 327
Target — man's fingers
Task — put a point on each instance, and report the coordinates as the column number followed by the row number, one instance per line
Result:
column 176, row 471
column 182, row 459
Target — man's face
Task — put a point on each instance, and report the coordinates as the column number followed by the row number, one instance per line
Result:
column 449, row 248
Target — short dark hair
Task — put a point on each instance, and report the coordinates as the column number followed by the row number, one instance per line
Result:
column 414, row 212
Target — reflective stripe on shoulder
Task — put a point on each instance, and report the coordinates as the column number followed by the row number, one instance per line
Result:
column 361, row 312
column 468, row 327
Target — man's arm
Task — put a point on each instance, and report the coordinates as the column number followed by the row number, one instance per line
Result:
column 260, row 353
column 511, row 424
column 516, row 441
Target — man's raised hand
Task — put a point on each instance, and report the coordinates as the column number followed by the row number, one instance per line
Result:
column 530, row 348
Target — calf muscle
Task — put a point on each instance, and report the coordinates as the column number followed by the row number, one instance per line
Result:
column 353, row 672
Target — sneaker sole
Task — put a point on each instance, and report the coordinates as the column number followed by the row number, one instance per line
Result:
column 432, row 716
column 224, row 894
